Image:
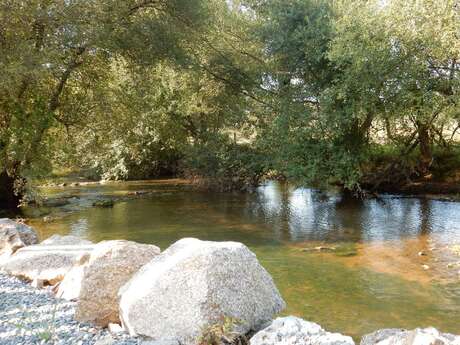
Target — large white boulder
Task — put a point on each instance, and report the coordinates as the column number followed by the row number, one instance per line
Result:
column 292, row 330
column 14, row 236
column 195, row 284
column 49, row 261
column 95, row 284
column 418, row 336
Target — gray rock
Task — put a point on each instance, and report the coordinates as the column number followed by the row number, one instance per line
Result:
column 380, row 335
column 111, row 265
column 14, row 236
column 418, row 336
column 115, row 328
column 28, row 314
column 194, row 284
column 50, row 260
column 295, row 331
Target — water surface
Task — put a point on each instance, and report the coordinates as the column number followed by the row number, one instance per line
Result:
column 378, row 280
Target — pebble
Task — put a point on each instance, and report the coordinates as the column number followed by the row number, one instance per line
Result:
column 30, row 316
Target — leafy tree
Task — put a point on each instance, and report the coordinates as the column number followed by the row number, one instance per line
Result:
column 56, row 56
column 401, row 72
column 350, row 75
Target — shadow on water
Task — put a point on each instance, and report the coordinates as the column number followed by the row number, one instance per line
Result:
column 382, row 284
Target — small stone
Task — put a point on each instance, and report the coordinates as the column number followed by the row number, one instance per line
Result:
column 108, row 340
column 37, row 283
column 425, row 267
column 422, row 253
column 115, row 328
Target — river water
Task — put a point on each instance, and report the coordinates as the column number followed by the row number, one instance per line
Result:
column 352, row 266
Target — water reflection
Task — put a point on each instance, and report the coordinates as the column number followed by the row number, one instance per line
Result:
column 79, row 228
column 303, row 214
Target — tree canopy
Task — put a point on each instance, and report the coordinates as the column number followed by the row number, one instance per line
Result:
column 356, row 93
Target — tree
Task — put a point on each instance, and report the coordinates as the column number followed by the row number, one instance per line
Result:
column 351, row 75
column 54, row 62
column 400, row 68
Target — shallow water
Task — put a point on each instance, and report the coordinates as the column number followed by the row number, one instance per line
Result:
column 367, row 275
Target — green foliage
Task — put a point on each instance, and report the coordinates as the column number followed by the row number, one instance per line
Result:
column 352, row 75
column 313, row 89
column 226, row 165
column 57, row 59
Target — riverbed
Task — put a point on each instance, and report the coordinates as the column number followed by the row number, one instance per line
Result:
column 352, row 266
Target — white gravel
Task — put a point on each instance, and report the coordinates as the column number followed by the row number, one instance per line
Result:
column 34, row 316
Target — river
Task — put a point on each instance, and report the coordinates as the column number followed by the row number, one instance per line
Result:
column 352, row 266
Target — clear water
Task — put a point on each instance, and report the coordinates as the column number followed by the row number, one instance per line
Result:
column 377, row 281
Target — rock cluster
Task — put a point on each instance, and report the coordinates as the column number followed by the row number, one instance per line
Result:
column 193, row 284
column 176, row 297
column 48, row 262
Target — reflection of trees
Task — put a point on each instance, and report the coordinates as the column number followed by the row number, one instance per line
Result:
column 304, row 214
column 275, row 212
column 270, row 206
column 425, row 217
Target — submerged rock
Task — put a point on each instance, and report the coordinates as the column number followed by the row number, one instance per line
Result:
column 295, row 331
column 56, row 202
column 194, row 284
column 14, row 236
column 50, row 260
column 95, row 284
column 104, row 203
column 418, row 336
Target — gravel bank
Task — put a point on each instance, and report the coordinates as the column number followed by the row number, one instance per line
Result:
column 34, row 316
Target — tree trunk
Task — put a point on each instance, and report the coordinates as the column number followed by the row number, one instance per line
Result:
column 9, row 199
column 426, row 156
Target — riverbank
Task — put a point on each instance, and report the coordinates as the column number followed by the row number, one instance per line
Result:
column 30, row 316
